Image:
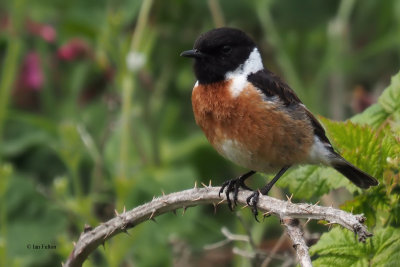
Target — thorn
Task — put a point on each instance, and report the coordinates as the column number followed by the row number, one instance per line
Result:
column 74, row 243
column 108, row 234
column 124, row 211
column 152, row 214
column 266, row 214
column 289, row 199
column 215, row 207
column 87, row 228
column 116, row 212
column 196, row 199
column 184, row 210
column 126, row 232
column 154, row 197
column 329, row 224
column 351, row 210
column 165, row 202
column 195, row 185
column 316, row 203
column 222, row 200
column 209, row 183
column 245, row 206
column 163, row 193
column 203, row 184
column 308, row 220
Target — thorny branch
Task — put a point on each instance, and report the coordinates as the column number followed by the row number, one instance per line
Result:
column 299, row 243
column 90, row 239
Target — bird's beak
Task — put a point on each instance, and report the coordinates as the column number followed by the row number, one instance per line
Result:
column 192, row 53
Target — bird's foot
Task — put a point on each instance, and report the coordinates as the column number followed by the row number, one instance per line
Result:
column 233, row 186
column 252, row 202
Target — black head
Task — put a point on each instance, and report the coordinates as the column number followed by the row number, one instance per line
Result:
column 219, row 51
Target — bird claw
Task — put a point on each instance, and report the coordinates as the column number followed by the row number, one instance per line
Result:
column 252, row 202
column 232, row 186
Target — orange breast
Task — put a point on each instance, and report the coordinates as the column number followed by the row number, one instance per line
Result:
column 252, row 132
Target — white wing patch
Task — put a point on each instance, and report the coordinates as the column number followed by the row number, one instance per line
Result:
column 239, row 76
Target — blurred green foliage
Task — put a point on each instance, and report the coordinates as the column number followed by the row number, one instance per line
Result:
column 84, row 132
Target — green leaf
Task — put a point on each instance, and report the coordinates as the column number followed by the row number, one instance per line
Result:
column 390, row 98
column 340, row 247
column 308, row 181
column 374, row 116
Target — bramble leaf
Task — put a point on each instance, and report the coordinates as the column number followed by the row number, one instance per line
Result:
column 308, row 181
column 340, row 247
column 374, row 116
column 390, row 98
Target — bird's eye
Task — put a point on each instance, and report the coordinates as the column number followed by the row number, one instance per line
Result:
column 226, row 49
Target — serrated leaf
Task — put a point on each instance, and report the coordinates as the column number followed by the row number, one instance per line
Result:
column 308, row 181
column 390, row 98
column 367, row 204
column 340, row 247
column 374, row 116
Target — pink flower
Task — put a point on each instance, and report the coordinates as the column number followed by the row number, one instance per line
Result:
column 74, row 49
column 48, row 33
column 31, row 76
column 45, row 31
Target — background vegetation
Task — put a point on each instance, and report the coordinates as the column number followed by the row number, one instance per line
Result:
column 95, row 115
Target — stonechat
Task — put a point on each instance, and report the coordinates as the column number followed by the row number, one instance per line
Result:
column 253, row 118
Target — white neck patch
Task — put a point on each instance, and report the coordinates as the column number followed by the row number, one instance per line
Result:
column 239, row 76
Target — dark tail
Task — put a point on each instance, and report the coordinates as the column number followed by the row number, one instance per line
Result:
column 354, row 174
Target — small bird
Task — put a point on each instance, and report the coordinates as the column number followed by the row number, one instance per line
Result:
column 253, row 118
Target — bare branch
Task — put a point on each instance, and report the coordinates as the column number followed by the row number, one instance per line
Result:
column 296, row 235
column 234, row 237
column 91, row 239
column 230, row 237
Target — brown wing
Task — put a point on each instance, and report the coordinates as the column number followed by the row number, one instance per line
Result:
column 271, row 85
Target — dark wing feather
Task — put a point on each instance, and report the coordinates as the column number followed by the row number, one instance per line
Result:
column 271, row 85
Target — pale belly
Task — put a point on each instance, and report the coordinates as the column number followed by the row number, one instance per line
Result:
column 239, row 154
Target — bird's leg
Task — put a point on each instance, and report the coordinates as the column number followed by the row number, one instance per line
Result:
column 233, row 186
column 252, row 200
